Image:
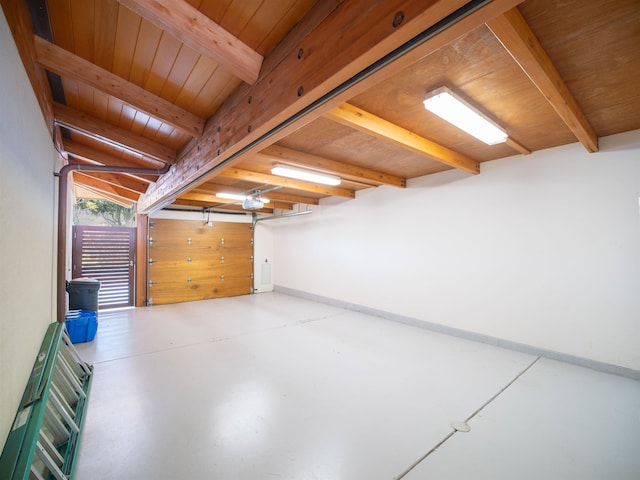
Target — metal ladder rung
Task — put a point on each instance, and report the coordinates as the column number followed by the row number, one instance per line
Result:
column 75, row 370
column 66, row 355
column 68, row 384
column 64, row 387
column 61, row 434
column 71, row 377
column 35, row 474
column 50, row 448
column 55, row 392
column 53, row 396
column 68, row 350
column 41, row 452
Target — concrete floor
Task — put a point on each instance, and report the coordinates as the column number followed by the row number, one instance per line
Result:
column 272, row 386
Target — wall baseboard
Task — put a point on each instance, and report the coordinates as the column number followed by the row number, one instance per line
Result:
column 467, row 335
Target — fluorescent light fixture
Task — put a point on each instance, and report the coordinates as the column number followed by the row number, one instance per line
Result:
column 448, row 106
column 231, row 196
column 242, row 198
column 304, row 174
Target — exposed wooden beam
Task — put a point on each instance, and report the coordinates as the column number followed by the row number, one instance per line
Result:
column 224, row 207
column 99, row 184
column 274, row 195
column 293, row 199
column 517, row 146
column 105, row 132
column 66, row 64
column 123, row 202
column 80, row 150
column 287, row 182
column 204, row 197
column 282, row 205
column 512, row 30
column 94, row 156
column 121, row 180
column 317, row 56
column 146, row 180
column 343, row 170
column 354, row 117
column 19, row 21
column 213, row 200
column 196, row 30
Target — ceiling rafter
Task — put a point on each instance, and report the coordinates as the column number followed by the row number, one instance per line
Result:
column 119, row 180
column 343, row 170
column 101, row 194
column 286, row 182
column 66, row 64
column 199, row 32
column 92, row 181
column 141, row 180
column 105, row 132
column 517, row 146
column 90, row 154
column 344, row 43
column 293, row 199
column 222, row 208
column 210, row 189
column 282, row 205
column 203, row 197
column 358, row 119
column 514, row 33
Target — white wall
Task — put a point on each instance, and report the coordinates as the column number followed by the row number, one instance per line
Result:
column 541, row 249
column 27, row 209
column 263, row 251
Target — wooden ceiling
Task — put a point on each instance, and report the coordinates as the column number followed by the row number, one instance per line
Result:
column 223, row 89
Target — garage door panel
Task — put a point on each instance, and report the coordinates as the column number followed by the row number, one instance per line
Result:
column 177, row 231
column 177, row 292
column 234, row 290
column 235, row 284
column 189, row 260
column 232, row 257
column 230, row 249
column 232, row 233
column 169, row 251
column 182, row 291
column 235, row 270
column 163, row 267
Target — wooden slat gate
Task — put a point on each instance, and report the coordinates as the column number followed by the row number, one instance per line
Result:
column 106, row 254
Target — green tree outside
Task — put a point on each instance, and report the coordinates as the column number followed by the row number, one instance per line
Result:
column 105, row 212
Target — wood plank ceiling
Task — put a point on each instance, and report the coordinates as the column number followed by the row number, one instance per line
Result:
column 222, row 90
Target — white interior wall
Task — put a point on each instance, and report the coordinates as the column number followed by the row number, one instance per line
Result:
column 27, row 234
column 263, row 257
column 542, row 250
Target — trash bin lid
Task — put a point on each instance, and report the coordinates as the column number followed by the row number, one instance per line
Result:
column 84, row 284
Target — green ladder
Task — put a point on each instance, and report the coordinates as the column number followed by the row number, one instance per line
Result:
column 45, row 436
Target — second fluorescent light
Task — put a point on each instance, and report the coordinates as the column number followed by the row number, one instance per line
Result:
column 241, row 198
column 304, row 174
column 448, row 106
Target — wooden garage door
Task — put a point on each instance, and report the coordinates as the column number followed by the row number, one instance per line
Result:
column 189, row 260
